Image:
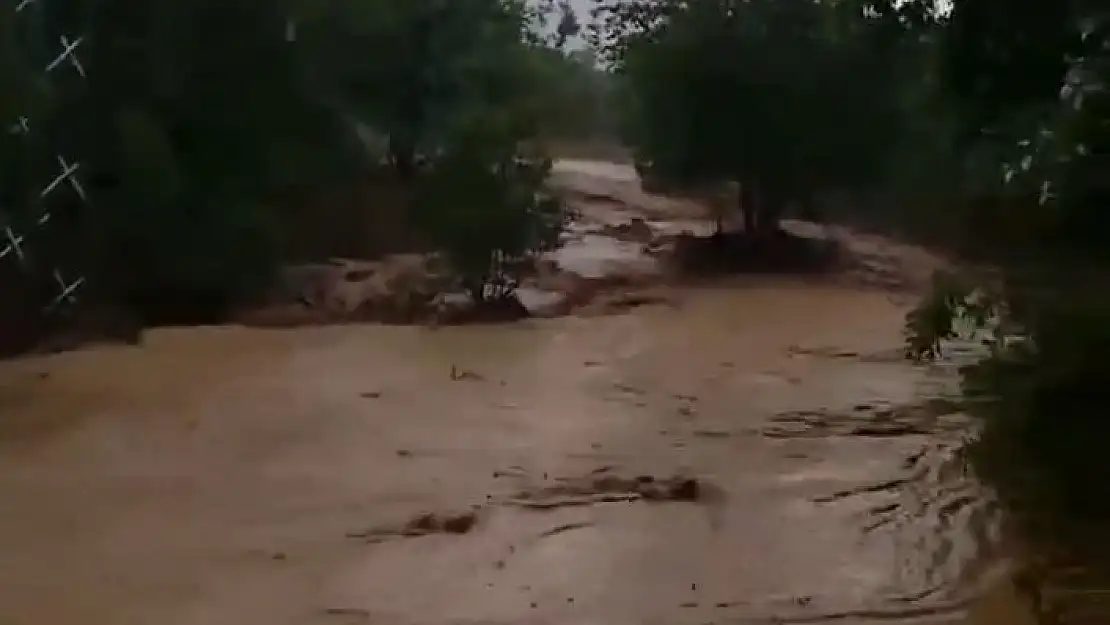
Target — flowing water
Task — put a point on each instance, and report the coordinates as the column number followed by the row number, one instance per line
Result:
column 756, row 452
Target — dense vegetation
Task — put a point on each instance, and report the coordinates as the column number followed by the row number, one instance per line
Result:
column 1031, row 90
column 788, row 98
column 200, row 119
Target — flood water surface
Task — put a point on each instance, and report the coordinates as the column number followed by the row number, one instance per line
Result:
column 756, row 452
column 328, row 475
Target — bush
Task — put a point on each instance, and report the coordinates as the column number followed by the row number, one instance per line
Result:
column 1041, row 387
column 489, row 217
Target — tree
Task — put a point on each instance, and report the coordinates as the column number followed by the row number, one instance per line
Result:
column 1031, row 89
column 489, row 214
column 424, row 67
column 187, row 131
column 462, row 87
column 784, row 97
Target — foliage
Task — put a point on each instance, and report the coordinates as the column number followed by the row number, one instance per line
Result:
column 788, row 97
column 1040, row 386
column 499, row 217
column 486, row 207
column 475, row 83
column 198, row 113
column 179, row 130
column 579, row 98
column 424, row 65
column 1030, row 86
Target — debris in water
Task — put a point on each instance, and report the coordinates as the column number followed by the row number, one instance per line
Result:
column 423, row 524
column 455, row 524
column 348, row 612
column 609, row 489
column 887, row 430
column 458, row 375
column 683, row 490
column 569, row 527
column 371, row 395
column 822, row 352
column 935, row 416
column 511, row 471
column 888, row 485
column 625, row 388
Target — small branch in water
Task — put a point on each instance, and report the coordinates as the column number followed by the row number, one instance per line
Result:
column 564, row 528
column 862, row 490
column 348, row 612
column 458, row 375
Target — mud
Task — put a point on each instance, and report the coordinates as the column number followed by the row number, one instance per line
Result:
column 750, row 453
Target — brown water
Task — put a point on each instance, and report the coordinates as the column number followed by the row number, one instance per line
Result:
column 231, row 476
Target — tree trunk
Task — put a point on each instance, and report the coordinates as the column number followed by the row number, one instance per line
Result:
column 769, row 211
column 403, row 155
column 749, row 205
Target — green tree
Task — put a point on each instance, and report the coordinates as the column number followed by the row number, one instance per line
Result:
column 423, row 67
column 462, row 87
column 197, row 114
column 180, row 128
column 1031, row 90
column 785, row 97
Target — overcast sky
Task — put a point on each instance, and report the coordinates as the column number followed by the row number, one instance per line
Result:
column 582, row 8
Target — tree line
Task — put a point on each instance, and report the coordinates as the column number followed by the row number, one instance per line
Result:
column 200, row 118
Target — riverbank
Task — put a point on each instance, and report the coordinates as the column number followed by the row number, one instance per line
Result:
column 623, row 249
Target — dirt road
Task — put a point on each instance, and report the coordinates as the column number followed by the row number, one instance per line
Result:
column 756, row 452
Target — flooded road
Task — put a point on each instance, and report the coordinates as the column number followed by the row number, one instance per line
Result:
column 756, row 452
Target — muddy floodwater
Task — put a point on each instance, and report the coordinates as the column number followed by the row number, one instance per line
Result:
column 755, row 451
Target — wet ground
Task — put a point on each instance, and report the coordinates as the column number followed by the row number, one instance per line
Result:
column 756, row 451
